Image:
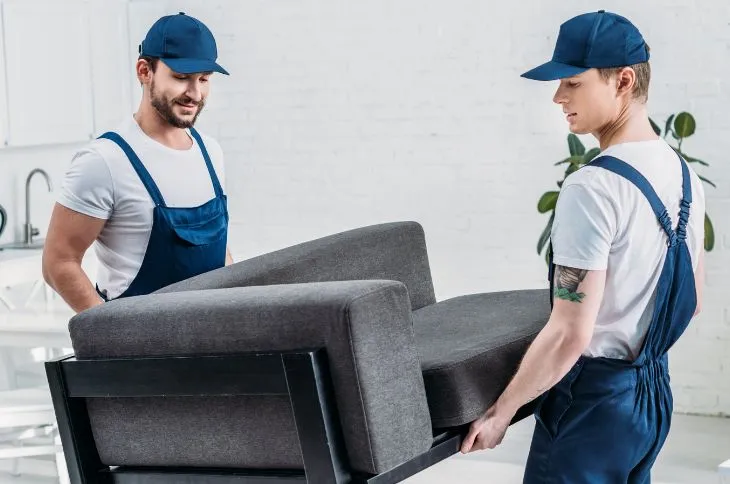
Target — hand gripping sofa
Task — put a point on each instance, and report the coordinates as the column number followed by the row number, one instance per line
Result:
column 327, row 362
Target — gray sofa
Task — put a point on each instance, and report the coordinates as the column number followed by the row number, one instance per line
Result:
column 403, row 367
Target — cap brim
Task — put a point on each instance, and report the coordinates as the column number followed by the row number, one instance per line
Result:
column 552, row 71
column 193, row 66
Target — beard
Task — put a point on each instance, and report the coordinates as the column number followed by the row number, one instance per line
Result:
column 165, row 108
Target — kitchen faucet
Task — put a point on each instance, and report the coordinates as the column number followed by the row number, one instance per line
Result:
column 28, row 230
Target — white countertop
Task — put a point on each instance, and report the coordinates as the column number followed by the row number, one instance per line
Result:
column 19, row 254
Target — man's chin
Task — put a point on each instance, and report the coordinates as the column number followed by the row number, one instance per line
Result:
column 188, row 120
column 577, row 129
column 185, row 121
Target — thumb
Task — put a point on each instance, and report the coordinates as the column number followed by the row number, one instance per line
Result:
column 468, row 442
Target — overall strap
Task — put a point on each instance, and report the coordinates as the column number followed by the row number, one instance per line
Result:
column 214, row 178
column 686, row 200
column 142, row 172
column 627, row 171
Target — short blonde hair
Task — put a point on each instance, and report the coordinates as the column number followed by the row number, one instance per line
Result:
column 643, row 76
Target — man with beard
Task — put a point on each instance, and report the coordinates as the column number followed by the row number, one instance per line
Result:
column 150, row 193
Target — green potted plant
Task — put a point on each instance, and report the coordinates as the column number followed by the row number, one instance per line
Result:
column 680, row 126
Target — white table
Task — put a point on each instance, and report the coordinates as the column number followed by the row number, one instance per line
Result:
column 43, row 335
column 724, row 470
column 32, row 406
column 25, row 266
column 31, row 330
column 20, row 266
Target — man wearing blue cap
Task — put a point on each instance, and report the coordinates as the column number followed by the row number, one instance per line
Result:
column 150, row 193
column 626, row 274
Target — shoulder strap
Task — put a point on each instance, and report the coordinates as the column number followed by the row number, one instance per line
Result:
column 213, row 177
column 686, row 201
column 142, row 172
column 627, row 171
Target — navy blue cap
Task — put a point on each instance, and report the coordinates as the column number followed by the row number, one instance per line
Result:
column 592, row 40
column 184, row 43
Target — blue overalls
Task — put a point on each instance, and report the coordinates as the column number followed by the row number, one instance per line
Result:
column 607, row 419
column 184, row 241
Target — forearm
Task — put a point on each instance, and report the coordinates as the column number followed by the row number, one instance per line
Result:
column 551, row 355
column 70, row 281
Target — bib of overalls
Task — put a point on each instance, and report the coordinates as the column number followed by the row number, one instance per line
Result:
column 185, row 241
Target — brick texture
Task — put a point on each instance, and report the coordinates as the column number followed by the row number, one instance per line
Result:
column 341, row 114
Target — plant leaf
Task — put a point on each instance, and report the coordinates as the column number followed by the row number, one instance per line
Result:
column 547, row 201
column 571, row 168
column 684, row 125
column 668, row 125
column 695, row 160
column 545, row 235
column 592, row 153
column 575, row 146
column 656, row 128
column 571, row 159
column 706, row 181
column 709, row 234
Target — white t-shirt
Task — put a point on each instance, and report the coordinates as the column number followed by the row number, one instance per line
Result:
column 102, row 183
column 603, row 221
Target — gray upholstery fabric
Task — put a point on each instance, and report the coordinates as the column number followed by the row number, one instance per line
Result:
column 365, row 326
column 184, row 431
column 393, row 251
column 471, row 346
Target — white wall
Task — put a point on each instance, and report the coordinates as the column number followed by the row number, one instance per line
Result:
column 340, row 114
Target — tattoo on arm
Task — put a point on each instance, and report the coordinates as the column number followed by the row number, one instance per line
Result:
column 567, row 281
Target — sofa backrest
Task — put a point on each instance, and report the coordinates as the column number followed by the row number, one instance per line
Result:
column 393, row 251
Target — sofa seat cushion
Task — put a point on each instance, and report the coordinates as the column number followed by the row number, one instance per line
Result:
column 471, row 346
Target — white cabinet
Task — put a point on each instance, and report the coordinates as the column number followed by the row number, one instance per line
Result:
column 110, row 63
column 3, row 91
column 65, row 69
column 48, row 72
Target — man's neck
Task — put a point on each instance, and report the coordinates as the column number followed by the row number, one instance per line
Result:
column 632, row 124
column 157, row 128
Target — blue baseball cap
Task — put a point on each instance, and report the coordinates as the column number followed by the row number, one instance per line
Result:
column 184, row 43
column 592, row 40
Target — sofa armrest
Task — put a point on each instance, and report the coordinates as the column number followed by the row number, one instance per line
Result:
column 365, row 327
column 393, row 251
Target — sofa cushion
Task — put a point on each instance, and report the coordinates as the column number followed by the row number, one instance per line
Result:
column 471, row 346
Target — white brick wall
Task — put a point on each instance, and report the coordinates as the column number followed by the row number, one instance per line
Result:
column 341, row 114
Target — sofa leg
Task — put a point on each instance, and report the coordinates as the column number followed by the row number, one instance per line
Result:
column 316, row 417
column 82, row 460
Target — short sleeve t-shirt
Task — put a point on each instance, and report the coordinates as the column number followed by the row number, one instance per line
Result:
column 604, row 222
column 101, row 182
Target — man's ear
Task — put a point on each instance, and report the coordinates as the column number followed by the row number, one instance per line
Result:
column 144, row 71
column 625, row 81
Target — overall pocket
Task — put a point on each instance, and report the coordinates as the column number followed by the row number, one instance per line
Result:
column 556, row 403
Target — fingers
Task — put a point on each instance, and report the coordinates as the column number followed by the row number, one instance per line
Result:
column 482, row 436
column 468, row 442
